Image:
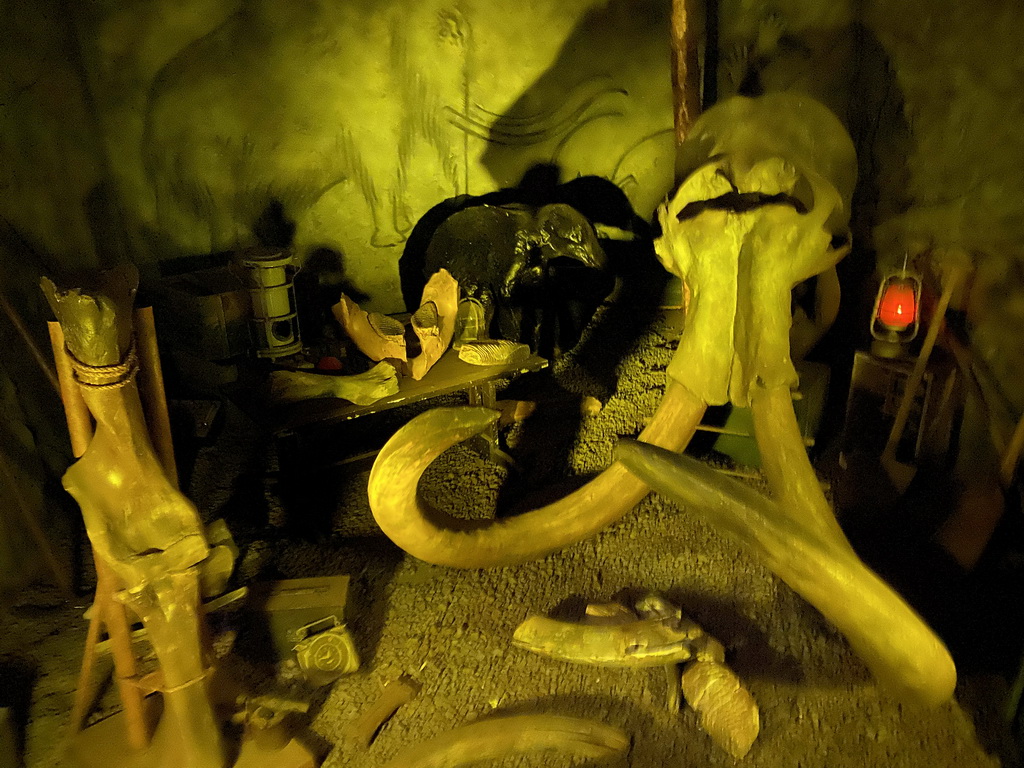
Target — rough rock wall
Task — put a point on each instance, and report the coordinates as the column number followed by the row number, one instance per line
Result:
column 337, row 123
column 49, row 167
column 959, row 66
column 49, row 159
column 931, row 93
column 153, row 129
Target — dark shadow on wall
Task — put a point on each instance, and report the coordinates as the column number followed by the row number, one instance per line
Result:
column 104, row 213
column 318, row 286
column 321, row 278
column 273, row 228
column 617, row 52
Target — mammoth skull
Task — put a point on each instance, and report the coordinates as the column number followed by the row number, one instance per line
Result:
column 764, row 204
column 539, row 272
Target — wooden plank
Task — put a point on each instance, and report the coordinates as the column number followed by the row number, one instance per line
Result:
column 449, row 375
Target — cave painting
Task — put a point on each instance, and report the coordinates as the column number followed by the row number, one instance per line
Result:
column 393, row 106
column 282, row 102
column 764, row 204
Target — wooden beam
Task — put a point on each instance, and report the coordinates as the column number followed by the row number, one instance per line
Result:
column 685, row 67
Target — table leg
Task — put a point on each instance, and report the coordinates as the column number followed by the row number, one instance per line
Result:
column 485, row 395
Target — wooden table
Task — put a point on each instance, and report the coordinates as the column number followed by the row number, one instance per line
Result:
column 449, row 375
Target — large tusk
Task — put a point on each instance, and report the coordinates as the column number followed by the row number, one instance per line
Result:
column 499, row 737
column 797, row 536
column 436, row 537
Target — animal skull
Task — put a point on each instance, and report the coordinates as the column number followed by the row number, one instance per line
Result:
column 763, row 206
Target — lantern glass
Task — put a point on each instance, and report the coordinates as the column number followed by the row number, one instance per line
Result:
column 897, row 305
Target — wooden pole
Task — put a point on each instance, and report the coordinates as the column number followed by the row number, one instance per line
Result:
column 151, row 388
column 33, row 348
column 685, row 67
column 28, row 518
column 1008, row 463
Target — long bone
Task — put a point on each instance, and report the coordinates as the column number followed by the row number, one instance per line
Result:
column 771, row 246
column 147, row 532
column 901, row 651
column 727, row 149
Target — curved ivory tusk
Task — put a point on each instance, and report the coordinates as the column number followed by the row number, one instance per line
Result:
column 499, row 737
column 436, row 537
column 807, row 551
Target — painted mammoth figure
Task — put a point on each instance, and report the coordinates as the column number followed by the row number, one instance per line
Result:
column 764, row 204
column 539, row 272
column 225, row 135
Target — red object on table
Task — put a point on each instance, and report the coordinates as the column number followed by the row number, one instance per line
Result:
column 329, row 363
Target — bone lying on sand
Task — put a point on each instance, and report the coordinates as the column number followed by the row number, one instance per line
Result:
column 817, row 562
column 501, row 737
column 656, row 634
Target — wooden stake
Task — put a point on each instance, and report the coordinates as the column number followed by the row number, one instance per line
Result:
column 685, row 68
column 28, row 518
column 151, row 388
column 1008, row 465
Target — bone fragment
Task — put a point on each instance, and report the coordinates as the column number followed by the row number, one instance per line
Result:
column 727, row 711
column 360, row 388
column 501, row 737
column 434, row 322
column 436, row 537
column 654, row 606
column 672, row 688
column 215, row 571
column 396, row 693
column 638, row 643
column 425, row 321
column 606, row 614
column 817, row 562
column 377, row 336
column 494, row 352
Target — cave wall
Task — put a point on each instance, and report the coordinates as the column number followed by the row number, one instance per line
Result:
column 959, row 67
column 336, row 125
column 155, row 129
column 152, row 130
column 931, row 95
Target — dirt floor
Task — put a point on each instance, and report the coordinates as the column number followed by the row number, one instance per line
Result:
column 450, row 630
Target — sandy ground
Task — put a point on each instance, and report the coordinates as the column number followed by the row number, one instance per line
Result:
column 451, row 630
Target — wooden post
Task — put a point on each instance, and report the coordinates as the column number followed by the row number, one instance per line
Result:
column 685, row 67
column 151, row 389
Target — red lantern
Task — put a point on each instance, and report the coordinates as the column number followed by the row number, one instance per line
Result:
column 897, row 303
